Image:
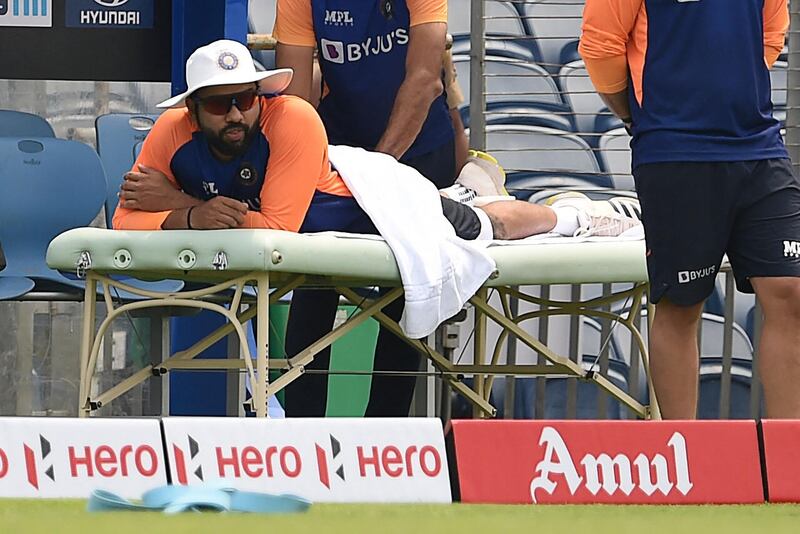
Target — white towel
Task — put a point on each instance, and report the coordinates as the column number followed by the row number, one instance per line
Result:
column 439, row 270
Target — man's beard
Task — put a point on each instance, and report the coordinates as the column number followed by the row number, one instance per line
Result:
column 228, row 149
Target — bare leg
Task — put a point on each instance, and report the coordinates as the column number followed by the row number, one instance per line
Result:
column 779, row 349
column 514, row 219
column 674, row 359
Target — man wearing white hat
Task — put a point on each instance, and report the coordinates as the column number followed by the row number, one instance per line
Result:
column 234, row 154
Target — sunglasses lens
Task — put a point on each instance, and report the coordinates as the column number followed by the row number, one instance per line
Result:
column 220, row 105
column 245, row 101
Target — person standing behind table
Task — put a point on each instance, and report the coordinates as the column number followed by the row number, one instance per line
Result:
column 381, row 64
column 690, row 81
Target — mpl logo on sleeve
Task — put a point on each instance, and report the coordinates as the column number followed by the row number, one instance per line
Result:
column 26, row 13
column 325, row 460
column 131, row 14
column 608, row 462
column 70, row 457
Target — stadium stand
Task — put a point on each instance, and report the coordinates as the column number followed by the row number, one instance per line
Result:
column 615, row 157
column 523, row 148
column 556, row 26
column 557, row 116
column 511, row 80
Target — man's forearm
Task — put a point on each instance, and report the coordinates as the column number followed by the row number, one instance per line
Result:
column 618, row 103
column 177, row 220
column 409, row 112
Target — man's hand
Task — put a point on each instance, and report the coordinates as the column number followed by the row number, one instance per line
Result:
column 218, row 213
column 151, row 190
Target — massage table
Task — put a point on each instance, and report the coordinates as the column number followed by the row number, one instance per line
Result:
column 220, row 267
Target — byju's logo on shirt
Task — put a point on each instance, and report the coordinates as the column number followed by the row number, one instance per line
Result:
column 338, row 52
column 338, row 18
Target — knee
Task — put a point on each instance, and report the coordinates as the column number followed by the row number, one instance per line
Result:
column 678, row 316
column 779, row 297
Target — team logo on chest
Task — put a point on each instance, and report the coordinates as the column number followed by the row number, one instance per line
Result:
column 246, row 175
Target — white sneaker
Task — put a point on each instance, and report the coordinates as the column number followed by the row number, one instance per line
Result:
column 601, row 217
column 483, row 174
column 480, row 182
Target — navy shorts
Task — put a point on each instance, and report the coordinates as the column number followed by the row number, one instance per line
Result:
column 694, row 212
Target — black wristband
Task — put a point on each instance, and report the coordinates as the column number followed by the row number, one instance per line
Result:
column 189, row 218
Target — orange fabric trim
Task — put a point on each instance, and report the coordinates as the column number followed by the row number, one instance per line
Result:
column 776, row 23
column 613, row 43
column 294, row 24
column 424, row 11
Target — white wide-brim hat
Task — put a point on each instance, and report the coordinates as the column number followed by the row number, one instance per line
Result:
column 226, row 62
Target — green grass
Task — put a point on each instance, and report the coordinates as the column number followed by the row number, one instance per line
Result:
column 70, row 516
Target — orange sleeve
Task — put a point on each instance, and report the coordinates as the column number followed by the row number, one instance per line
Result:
column 776, row 22
column 422, row 11
column 171, row 131
column 298, row 162
column 607, row 27
column 294, row 24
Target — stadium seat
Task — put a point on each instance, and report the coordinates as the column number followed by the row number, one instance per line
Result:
column 581, row 96
column 21, row 124
column 39, row 203
column 117, row 136
column 557, row 116
column 557, row 393
column 523, row 184
column 711, row 338
column 510, row 80
column 502, row 19
column 615, row 156
column 525, row 148
column 497, row 47
column 710, row 388
column 555, row 25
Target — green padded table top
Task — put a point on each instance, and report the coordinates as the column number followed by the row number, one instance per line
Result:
column 190, row 254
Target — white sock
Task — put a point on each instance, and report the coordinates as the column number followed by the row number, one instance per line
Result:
column 566, row 221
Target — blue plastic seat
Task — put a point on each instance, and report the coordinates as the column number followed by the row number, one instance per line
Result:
column 501, row 19
column 557, row 116
column 534, row 148
column 555, row 26
column 513, row 80
column 18, row 123
column 523, row 184
column 710, row 388
column 615, row 157
column 50, row 186
column 117, row 136
column 508, row 47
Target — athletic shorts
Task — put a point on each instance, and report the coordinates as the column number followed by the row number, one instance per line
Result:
column 694, row 212
column 343, row 214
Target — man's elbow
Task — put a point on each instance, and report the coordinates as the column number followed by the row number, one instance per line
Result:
column 428, row 85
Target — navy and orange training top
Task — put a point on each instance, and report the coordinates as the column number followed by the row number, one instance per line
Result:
column 287, row 163
column 696, row 73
